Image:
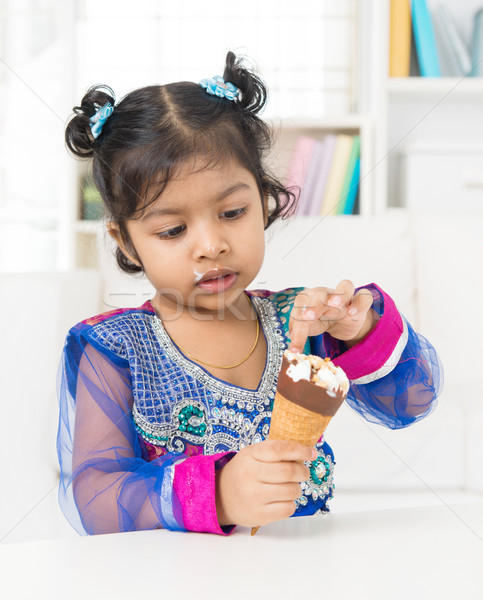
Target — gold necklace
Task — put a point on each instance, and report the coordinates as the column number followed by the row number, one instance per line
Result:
column 229, row 366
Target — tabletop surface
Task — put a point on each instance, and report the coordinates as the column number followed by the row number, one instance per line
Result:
column 427, row 552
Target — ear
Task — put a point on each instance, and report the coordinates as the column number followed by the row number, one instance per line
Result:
column 115, row 232
column 265, row 208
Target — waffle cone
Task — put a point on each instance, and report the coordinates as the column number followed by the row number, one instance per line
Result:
column 293, row 422
column 294, row 419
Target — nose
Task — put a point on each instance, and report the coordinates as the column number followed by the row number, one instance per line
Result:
column 209, row 241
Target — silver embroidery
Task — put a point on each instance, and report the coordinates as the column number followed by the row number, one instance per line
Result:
column 234, row 416
column 320, row 485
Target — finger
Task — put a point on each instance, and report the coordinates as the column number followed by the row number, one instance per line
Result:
column 298, row 336
column 309, row 306
column 276, row 511
column 360, row 303
column 279, row 492
column 283, row 472
column 282, row 450
column 342, row 295
column 304, row 308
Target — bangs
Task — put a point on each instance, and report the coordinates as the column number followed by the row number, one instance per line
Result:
column 142, row 175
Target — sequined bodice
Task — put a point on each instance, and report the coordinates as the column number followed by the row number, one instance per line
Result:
column 187, row 404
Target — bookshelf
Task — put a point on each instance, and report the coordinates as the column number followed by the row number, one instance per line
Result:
column 437, row 117
column 391, row 115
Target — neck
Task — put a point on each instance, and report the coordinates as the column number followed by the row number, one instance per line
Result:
column 169, row 310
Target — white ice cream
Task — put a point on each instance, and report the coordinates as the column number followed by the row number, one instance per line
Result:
column 333, row 380
column 302, row 370
column 318, row 371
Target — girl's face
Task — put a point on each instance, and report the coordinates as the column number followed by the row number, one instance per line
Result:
column 201, row 243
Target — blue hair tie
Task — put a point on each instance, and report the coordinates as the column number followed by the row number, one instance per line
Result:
column 99, row 118
column 217, row 86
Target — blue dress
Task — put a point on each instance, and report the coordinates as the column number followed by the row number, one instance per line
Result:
column 140, row 422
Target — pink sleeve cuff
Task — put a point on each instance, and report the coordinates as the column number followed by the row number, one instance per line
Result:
column 379, row 352
column 194, row 485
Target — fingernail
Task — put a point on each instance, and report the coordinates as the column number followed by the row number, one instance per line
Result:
column 295, row 350
column 352, row 311
column 335, row 301
column 309, row 315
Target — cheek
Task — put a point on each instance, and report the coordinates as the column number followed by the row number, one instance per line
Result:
column 255, row 246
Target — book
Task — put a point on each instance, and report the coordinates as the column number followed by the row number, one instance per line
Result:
column 400, row 38
column 425, row 39
column 349, row 176
column 323, row 174
column 337, row 173
column 350, row 205
column 449, row 65
column 311, row 178
column 298, row 166
column 414, row 70
column 455, row 60
column 477, row 46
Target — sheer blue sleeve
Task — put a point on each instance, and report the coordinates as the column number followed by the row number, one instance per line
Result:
column 106, row 485
column 408, row 393
column 395, row 373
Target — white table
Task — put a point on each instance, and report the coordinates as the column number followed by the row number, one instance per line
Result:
column 421, row 553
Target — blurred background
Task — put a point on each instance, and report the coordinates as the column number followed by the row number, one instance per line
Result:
column 414, row 226
column 53, row 51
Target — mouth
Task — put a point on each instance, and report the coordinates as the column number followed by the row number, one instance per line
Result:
column 217, row 280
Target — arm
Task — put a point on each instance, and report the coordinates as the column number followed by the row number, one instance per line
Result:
column 106, row 485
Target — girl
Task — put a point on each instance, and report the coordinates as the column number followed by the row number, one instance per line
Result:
column 164, row 409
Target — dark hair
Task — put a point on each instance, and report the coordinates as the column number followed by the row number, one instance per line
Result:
column 155, row 129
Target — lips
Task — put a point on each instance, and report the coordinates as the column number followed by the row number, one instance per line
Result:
column 214, row 274
column 217, row 281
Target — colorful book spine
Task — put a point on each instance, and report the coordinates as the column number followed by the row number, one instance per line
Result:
column 353, row 189
column 454, row 56
column 477, row 46
column 425, row 39
column 337, row 174
column 400, row 38
column 323, row 174
column 311, row 178
column 349, row 176
column 298, row 167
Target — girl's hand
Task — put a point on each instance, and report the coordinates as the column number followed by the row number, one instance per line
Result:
column 340, row 312
column 261, row 482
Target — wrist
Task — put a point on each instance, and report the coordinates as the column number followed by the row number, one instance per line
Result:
column 220, row 507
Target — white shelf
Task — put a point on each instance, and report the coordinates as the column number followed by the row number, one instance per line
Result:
column 350, row 121
column 435, row 87
column 88, row 227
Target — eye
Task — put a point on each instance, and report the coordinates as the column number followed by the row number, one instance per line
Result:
column 234, row 214
column 171, row 234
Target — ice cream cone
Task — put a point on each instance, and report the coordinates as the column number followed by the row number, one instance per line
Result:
column 303, row 408
column 293, row 422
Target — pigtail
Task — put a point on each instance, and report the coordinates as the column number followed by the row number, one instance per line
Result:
column 78, row 134
column 253, row 91
column 258, row 135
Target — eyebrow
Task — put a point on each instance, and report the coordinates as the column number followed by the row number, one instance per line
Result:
column 158, row 212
